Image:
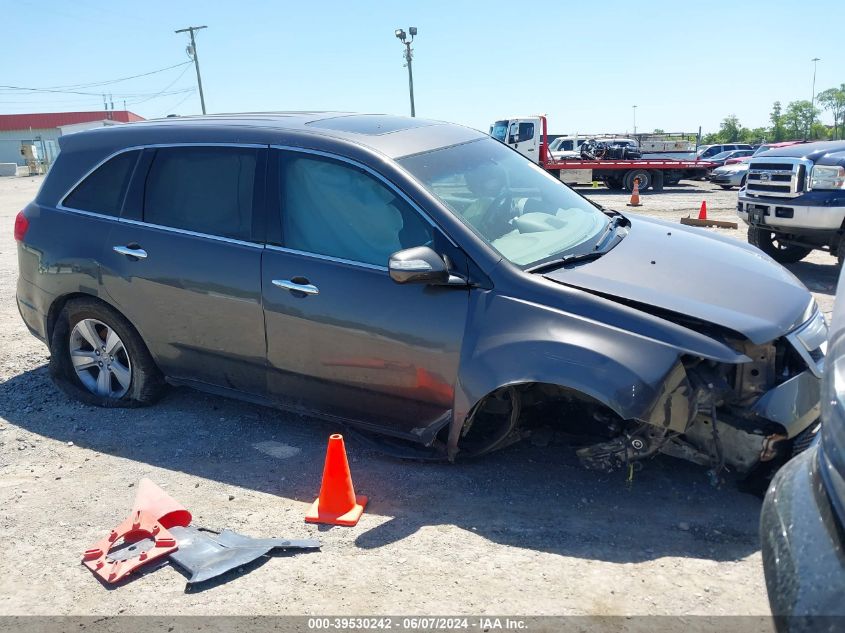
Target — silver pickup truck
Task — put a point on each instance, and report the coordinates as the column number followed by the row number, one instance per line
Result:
column 794, row 201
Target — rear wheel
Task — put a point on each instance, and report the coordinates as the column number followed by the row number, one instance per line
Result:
column 642, row 174
column 773, row 245
column 97, row 357
column 726, row 186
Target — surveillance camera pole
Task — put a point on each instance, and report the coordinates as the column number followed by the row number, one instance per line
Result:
column 409, row 56
column 196, row 58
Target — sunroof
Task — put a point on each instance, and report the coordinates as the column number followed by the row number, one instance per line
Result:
column 369, row 123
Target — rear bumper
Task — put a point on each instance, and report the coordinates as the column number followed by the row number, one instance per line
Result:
column 33, row 305
column 803, row 548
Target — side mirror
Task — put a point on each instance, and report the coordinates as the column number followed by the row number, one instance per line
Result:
column 418, row 265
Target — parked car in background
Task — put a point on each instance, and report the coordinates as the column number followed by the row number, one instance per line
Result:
column 413, row 278
column 794, row 200
column 729, row 176
column 706, row 151
column 761, row 149
column 722, row 157
column 802, row 523
column 735, row 170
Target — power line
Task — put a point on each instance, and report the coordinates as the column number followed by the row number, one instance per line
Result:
column 115, row 81
column 69, row 89
column 180, row 102
column 166, row 88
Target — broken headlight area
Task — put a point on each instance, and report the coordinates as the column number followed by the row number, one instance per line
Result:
column 733, row 419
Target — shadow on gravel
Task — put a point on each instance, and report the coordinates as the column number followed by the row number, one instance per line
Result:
column 536, row 498
column 817, row 277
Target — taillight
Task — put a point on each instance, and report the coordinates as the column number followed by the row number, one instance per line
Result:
column 21, row 225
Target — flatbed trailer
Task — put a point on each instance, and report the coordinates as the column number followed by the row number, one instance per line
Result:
column 620, row 174
column 529, row 136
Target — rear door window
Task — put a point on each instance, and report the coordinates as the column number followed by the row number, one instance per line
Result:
column 104, row 189
column 339, row 210
column 207, row 190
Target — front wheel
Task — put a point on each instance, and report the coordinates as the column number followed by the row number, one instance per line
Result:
column 726, row 187
column 97, row 357
column 772, row 245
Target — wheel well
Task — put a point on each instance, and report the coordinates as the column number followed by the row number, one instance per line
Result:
column 505, row 414
column 60, row 302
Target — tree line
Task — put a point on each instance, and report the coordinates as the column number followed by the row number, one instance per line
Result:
column 799, row 120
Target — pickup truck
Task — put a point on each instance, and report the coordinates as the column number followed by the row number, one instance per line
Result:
column 794, row 201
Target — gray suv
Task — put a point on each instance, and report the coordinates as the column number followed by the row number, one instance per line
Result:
column 413, row 278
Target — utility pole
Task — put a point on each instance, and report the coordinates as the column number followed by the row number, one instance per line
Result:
column 409, row 55
column 192, row 53
column 635, row 119
column 815, row 61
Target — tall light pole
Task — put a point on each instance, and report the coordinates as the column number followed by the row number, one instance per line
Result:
column 192, row 53
column 409, row 55
column 635, row 119
column 815, row 61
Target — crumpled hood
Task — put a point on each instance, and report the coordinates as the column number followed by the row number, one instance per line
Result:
column 693, row 272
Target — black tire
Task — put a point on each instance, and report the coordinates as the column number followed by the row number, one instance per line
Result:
column 840, row 252
column 726, row 186
column 613, row 183
column 146, row 384
column 767, row 242
column 642, row 174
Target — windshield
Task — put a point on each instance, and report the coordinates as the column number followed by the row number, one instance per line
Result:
column 526, row 215
column 762, row 148
column 499, row 130
column 721, row 155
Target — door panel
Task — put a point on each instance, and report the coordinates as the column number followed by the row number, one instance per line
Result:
column 196, row 302
column 195, row 296
column 356, row 345
column 365, row 348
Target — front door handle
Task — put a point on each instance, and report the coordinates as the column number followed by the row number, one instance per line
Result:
column 133, row 250
column 292, row 286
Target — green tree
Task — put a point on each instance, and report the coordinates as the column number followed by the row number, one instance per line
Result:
column 756, row 135
column 657, row 130
column 730, row 129
column 776, row 117
column 833, row 99
column 797, row 119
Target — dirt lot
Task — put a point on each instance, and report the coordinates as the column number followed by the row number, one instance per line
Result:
column 524, row 531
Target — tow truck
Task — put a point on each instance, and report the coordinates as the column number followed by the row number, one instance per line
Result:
column 529, row 136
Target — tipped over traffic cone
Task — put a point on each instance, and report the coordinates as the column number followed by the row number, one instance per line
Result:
column 337, row 503
column 702, row 213
column 160, row 506
column 635, row 194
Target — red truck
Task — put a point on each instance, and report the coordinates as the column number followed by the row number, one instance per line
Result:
column 528, row 136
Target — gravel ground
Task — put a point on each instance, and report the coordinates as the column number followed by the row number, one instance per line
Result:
column 524, row 531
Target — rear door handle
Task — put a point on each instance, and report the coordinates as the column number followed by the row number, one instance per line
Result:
column 132, row 250
column 305, row 288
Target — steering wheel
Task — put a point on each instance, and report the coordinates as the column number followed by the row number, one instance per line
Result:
column 499, row 214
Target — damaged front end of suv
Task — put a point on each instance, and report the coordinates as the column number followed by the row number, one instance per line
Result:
column 719, row 369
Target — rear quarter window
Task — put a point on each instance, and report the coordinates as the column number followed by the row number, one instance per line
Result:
column 103, row 190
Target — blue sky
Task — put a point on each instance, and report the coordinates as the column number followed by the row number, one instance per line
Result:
column 584, row 64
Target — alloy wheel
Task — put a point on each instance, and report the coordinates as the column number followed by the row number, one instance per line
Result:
column 100, row 359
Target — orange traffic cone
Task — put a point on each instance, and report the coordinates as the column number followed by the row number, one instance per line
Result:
column 337, row 503
column 161, row 506
column 635, row 194
column 702, row 213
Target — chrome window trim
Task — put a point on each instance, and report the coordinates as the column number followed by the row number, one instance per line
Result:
column 329, row 258
column 93, row 214
column 173, row 229
column 372, row 172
